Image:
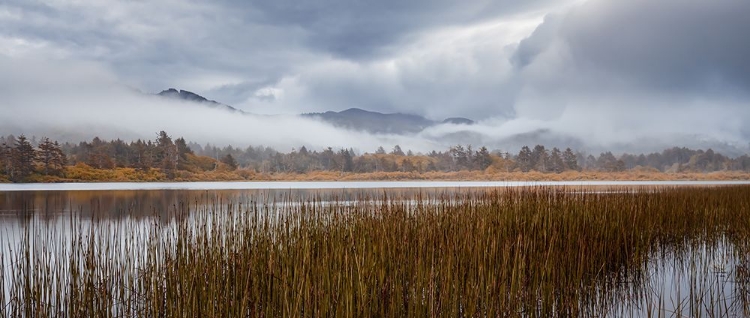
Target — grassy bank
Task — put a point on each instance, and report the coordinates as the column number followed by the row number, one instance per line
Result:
column 84, row 173
column 479, row 253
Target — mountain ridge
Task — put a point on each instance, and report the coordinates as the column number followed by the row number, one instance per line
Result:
column 351, row 118
column 193, row 97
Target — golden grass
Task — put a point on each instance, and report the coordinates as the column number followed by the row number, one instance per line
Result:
column 195, row 172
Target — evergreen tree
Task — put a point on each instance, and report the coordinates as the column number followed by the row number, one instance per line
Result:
column 570, row 160
column 460, row 157
column 141, row 155
column 609, row 163
column 100, row 154
column 166, row 154
column 397, row 151
column 556, row 163
column 524, row 160
column 5, row 158
column 229, row 161
column 540, row 159
column 51, row 157
column 348, row 161
column 22, row 159
column 482, row 159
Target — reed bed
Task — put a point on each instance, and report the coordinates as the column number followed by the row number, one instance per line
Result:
column 529, row 252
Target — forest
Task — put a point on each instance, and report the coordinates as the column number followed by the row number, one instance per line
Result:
column 24, row 159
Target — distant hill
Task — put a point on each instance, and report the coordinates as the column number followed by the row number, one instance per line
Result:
column 375, row 122
column 352, row 118
column 193, row 97
column 359, row 119
column 458, row 121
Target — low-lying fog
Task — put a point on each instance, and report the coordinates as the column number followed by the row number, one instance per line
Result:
column 78, row 101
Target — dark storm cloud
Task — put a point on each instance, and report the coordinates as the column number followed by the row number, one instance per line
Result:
column 616, row 70
column 366, row 29
column 153, row 45
column 671, row 45
column 608, row 71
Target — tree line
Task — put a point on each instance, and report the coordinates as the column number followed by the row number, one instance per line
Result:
column 21, row 157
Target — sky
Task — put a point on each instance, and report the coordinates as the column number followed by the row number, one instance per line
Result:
column 606, row 72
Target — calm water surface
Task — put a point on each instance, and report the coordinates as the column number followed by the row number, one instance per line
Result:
column 51, row 211
column 258, row 185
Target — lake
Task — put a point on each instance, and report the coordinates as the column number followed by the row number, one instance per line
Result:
column 281, row 185
column 125, row 216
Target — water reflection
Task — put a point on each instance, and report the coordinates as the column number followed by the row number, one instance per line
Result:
column 705, row 278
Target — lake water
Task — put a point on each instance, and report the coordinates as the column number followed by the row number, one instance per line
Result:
column 52, row 208
column 281, row 185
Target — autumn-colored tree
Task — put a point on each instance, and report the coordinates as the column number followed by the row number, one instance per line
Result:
column 482, row 159
column 408, row 166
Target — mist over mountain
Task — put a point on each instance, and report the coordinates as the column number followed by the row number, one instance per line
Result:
column 464, row 131
column 597, row 75
column 193, row 97
column 379, row 123
column 89, row 103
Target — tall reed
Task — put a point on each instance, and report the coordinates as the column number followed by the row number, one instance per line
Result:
column 476, row 253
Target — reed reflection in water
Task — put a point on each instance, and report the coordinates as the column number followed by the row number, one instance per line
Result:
column 540, row 251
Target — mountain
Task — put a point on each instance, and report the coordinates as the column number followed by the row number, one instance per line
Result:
column 375, row 122
column 193, row 97
column 359, row 119
column 458, row 121
column 352, row 118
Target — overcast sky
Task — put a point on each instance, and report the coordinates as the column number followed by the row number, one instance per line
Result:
column 610, row 70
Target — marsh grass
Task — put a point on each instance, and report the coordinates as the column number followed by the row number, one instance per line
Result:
column 528, row 252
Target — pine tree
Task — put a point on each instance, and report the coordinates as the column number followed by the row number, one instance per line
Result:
column 141, row 155
column 51, row 157
column 570, row 160
column 229, row 161
column 460, row 157
column 182, row 152
column 397, row 151
column 348, row 161
column 524, row 160
column 540, row 159
column 22, row 159
column 482, row 159
column 556, row 163
column 166, row 154
column 5, row 161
